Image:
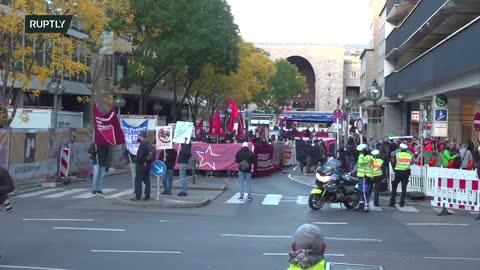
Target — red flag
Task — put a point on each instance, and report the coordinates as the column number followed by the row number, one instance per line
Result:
column 210, row 126
column 108, row 131
column 240, row 130
column 234, row 115
column 217, row 123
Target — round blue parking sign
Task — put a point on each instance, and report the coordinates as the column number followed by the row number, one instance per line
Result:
column 159, row 168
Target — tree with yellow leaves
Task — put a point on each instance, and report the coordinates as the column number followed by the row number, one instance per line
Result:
column 253, row 74
column 25, row 58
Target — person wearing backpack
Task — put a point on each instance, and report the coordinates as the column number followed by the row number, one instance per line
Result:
column 99, row 155
column 143, row 163
column 245, row 159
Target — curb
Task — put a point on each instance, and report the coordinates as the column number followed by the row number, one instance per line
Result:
column 222, row 188
column 162, row 203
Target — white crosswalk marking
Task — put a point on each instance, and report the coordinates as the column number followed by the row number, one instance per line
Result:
column 234, row 199
column 408, row 209
column 119, row 194
column 302, row 200
column 272, row 199
column 43, row 191
column 90, row 195
column 65, row 193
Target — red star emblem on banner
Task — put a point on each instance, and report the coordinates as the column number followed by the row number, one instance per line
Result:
column 207, row 157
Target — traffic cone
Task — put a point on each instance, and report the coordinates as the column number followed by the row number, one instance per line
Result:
column 444, row 211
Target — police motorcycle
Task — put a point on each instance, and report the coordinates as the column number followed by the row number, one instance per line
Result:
column 333, row 186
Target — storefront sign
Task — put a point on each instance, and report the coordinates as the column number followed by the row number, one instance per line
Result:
column 415, row 116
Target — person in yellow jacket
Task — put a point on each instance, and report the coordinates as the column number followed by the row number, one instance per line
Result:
column 403, row 160
column 376, row 175
column 364, row 166
column 308, row 249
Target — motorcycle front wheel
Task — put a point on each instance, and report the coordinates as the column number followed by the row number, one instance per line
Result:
column 316, row 201
column 351, row 201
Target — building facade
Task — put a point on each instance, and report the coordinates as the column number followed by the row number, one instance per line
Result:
column 432, row 64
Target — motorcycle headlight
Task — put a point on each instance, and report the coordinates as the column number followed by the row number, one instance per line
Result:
column 321, row 178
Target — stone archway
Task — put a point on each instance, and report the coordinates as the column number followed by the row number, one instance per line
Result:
column 304, row 100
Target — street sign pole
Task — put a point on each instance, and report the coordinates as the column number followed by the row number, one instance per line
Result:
column 158, row 188
column 158, row 169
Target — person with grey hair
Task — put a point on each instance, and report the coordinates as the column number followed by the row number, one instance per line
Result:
column 308, row 249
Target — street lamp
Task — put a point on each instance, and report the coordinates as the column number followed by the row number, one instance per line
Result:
column 119, row 102
column 375, row 92
column 55, row 87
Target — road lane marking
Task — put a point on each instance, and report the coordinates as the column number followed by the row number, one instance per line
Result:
column 255, row 235
column 354, row 239
column 288, row 236
column 452, row 258
column 234, row 198
column 27, row 195
column 90, row 195
column 302, row 200
column 134, row 251
column 286, row 254
column 330, row 223
column 65, row 193
column 408, row 209
column 272, row 199
column 300, row 182
column 116, row 195
column 56, row 219
column 436, row 224
column 2, row 266
column 89, row 229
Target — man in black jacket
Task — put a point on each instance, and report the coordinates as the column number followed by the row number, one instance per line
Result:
column 169, row 156
column 245, row 159
column 142, row 168
column 183, row 157
column 99, row 156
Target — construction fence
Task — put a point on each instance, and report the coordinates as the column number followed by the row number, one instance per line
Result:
column 32, row 155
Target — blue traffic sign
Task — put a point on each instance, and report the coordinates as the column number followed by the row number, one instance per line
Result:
column 441, row 115
column 159, row 168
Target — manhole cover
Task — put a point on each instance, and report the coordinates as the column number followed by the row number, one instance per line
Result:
column 346, row 266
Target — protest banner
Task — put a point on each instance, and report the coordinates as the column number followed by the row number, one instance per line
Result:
column 131, row 135
column 183, row 132
column 164, row 137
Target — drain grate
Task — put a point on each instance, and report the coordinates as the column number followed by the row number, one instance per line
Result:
column 346, row 266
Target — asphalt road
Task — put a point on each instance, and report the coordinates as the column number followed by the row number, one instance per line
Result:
column 92, row 234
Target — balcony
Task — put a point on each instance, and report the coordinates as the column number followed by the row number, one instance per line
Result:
column 455, row 55
column 418, row 17
column 397, row 10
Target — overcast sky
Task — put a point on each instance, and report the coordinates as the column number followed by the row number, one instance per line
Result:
column 302, row 21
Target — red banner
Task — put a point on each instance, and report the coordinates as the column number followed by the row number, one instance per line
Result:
column 263, row 160
column 107, row 127
column 214, row 157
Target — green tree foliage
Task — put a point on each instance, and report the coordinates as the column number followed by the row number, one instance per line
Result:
column 178, row 38
column 286, row 83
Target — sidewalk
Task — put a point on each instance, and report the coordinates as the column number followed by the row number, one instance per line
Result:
column 120, row 190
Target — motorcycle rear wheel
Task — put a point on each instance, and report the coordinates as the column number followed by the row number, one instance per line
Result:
column 316, row 201
column 351, row 201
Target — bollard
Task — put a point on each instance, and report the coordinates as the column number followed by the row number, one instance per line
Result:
column 444, row 211
column 194, row 165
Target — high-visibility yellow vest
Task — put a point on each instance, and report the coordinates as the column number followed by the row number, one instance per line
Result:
column 363, row 165
column 404, row 160
column 376, row 165
column 319, row 266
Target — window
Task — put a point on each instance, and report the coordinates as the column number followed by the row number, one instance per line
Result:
column 329, row 89
column 329, row 74
column 353, row 74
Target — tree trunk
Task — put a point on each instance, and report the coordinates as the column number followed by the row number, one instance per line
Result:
column 175, row 99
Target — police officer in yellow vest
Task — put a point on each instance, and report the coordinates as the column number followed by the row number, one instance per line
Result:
column 403, row 160
column 376, row 175
column 308, row 249
column 364, row 165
